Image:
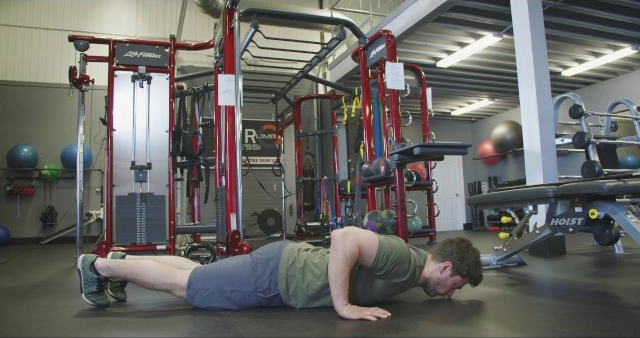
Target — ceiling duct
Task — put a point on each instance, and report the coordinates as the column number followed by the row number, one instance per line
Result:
column 213, row 8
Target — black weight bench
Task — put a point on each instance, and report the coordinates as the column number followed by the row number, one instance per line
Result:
column 534, row 194
column 571, row 205
column 604, row 187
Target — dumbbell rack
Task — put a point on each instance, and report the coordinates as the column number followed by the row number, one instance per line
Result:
column 600, row 151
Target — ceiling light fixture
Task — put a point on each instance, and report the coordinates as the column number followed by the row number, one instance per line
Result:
column 473, row 106
column 469, row 50
column 600, row 61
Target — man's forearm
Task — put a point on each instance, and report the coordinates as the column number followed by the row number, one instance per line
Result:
column 342, row 258
column 349, row 246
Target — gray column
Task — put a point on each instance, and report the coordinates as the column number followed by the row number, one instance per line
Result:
column 538, row 125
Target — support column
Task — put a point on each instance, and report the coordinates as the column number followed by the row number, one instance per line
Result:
column 538, row 125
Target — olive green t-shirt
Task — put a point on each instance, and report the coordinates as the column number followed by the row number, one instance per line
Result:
column 304, row 281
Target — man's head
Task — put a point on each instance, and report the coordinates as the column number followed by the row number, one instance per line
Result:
column 452, row 263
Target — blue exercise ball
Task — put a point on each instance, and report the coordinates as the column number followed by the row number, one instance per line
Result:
column 629, row 162
column 22, row 156
column 5, row 235
column 68, row 156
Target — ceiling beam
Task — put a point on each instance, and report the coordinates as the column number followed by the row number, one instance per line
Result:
column 407, row 20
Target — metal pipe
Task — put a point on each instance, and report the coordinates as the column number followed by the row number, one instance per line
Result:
column 238, row 111
column 192, row 76
column 253, row 28
column 288, row 16
column 148, row 137
column 591, row 148
column 183, row 11
column 80, row 160
column 328, row 83
column 133, row 137
column 322, row 54
column 633, row 115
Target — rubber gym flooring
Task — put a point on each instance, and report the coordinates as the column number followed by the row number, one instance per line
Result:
column 589, row 292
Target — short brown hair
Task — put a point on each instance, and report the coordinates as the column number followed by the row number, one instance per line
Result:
column 464, row 258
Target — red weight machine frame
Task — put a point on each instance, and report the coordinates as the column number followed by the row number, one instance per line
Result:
column 105, row 245
column 227, row 167
column 297, row 123
column 367, row 74
column 426, row 131
column 425, row 151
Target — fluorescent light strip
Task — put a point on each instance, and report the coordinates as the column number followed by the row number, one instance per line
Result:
column 469, row 50
column 600, row 61
column 473, row 106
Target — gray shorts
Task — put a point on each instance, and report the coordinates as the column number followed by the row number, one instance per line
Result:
column 238, row 282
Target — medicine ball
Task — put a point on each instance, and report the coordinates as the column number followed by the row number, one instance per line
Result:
column 366, row 169
column 387, row 223
column 507, row 135
column 419, row 170
column 49, row 172
column 371, row 219
column 383, row 166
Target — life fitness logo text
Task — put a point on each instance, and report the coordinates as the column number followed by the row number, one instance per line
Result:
column 134, row 54
column 263, row 138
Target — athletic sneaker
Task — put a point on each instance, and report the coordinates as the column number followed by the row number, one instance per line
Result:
column 91, row 284
column 115, row 287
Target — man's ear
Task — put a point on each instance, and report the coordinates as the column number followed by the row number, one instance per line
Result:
column 445, row 266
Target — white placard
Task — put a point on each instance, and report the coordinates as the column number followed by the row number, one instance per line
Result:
column 226, row 90
column 429, row 103
column 394, row 73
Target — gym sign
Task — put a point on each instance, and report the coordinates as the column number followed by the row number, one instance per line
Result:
column 566, row 221
column 376, row 51
column 260, row 142
column 141, row 55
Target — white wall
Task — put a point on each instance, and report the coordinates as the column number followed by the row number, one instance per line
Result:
column 35, row 33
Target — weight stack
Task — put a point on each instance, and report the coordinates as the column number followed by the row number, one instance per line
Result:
column 141, row 218
column 221, row 215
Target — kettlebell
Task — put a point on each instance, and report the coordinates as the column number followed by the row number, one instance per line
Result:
column 414, row 222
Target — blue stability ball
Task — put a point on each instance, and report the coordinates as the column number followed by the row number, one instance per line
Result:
column 629, row 162
column 68, row 156
column 22, row 156
column 5, row 235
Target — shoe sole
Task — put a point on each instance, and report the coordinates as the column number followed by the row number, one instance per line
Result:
column 121, row 300
column 110, row 256
column 79, row 267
